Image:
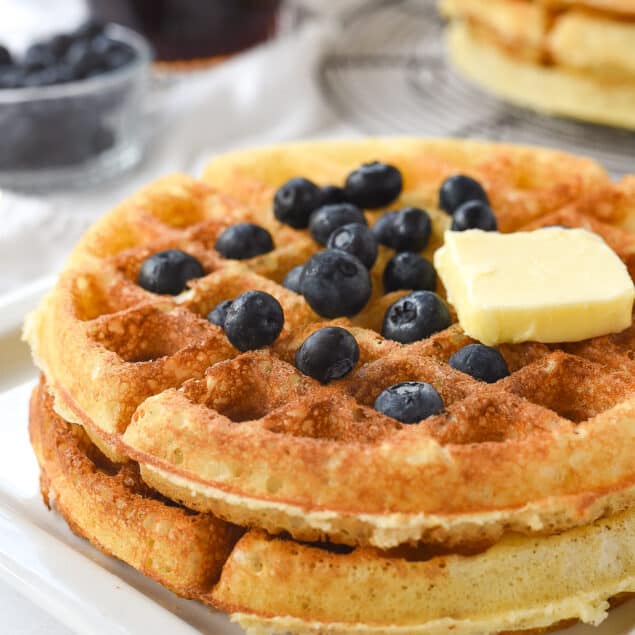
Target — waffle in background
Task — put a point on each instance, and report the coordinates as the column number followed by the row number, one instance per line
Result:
column 567, row 58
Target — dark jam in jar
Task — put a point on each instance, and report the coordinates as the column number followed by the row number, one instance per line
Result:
column 194, row 29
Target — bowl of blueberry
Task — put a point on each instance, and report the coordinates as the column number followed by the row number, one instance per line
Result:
column 71, row 107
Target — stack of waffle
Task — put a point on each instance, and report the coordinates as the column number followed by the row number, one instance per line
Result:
column 234, row 479
column 566, row 57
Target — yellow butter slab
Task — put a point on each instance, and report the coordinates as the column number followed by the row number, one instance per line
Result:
column 549, row 285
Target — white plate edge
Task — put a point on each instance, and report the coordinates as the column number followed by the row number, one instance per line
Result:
column 76, row 605
column 17, row 303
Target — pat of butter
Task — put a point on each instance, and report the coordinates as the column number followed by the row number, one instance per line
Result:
column 549, row 285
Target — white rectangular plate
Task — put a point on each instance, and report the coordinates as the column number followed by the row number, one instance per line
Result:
column 91, row 593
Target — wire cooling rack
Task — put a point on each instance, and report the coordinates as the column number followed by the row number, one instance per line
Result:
column 388, row 74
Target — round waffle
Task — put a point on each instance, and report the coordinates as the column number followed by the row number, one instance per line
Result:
column 562, row 59
column 250, row 439
column 274, row 585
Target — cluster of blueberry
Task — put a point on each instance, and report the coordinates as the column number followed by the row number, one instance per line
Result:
column 466, row 201
column 335, row 282
column 63, row 58
column 250, row 321
column 54, row 132
column 413, row 401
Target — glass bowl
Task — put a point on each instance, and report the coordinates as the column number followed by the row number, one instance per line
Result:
column 78, row 133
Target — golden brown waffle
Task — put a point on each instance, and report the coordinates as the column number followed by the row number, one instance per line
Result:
column 280, row 586
column 252, row 440
column 113, row 508
column 274, row 586
column 568, row 58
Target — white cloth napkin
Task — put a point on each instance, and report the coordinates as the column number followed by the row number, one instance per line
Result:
column 268, row 95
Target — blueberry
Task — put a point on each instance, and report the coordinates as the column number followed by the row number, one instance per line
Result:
column 292, row 279
column 373, row 185
column 409, row 402
column 335, row 284
column 408, row 229
column 11, row 77
column 253, row 320
column 83, row 59
column 411, row 230
column 5, row 56
column 474, row 215
column 218, row 314
column 459, row 189
column 328, row 354
column 88, row 30
column 168, row 271
column 119, row 56
column 63, row 133
column 331, row 194
column 325, row 220
column 383, row 226
column 102, row 44
column 38, row 57
column 44, row 77
column 58, row 45
column 244, row 240
column 112, row 53
column 294, row 202
column 357, row 240
column 65, row 74
column 481, row 362
column 408, row 270
column 415, row 316
column 47, row 76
